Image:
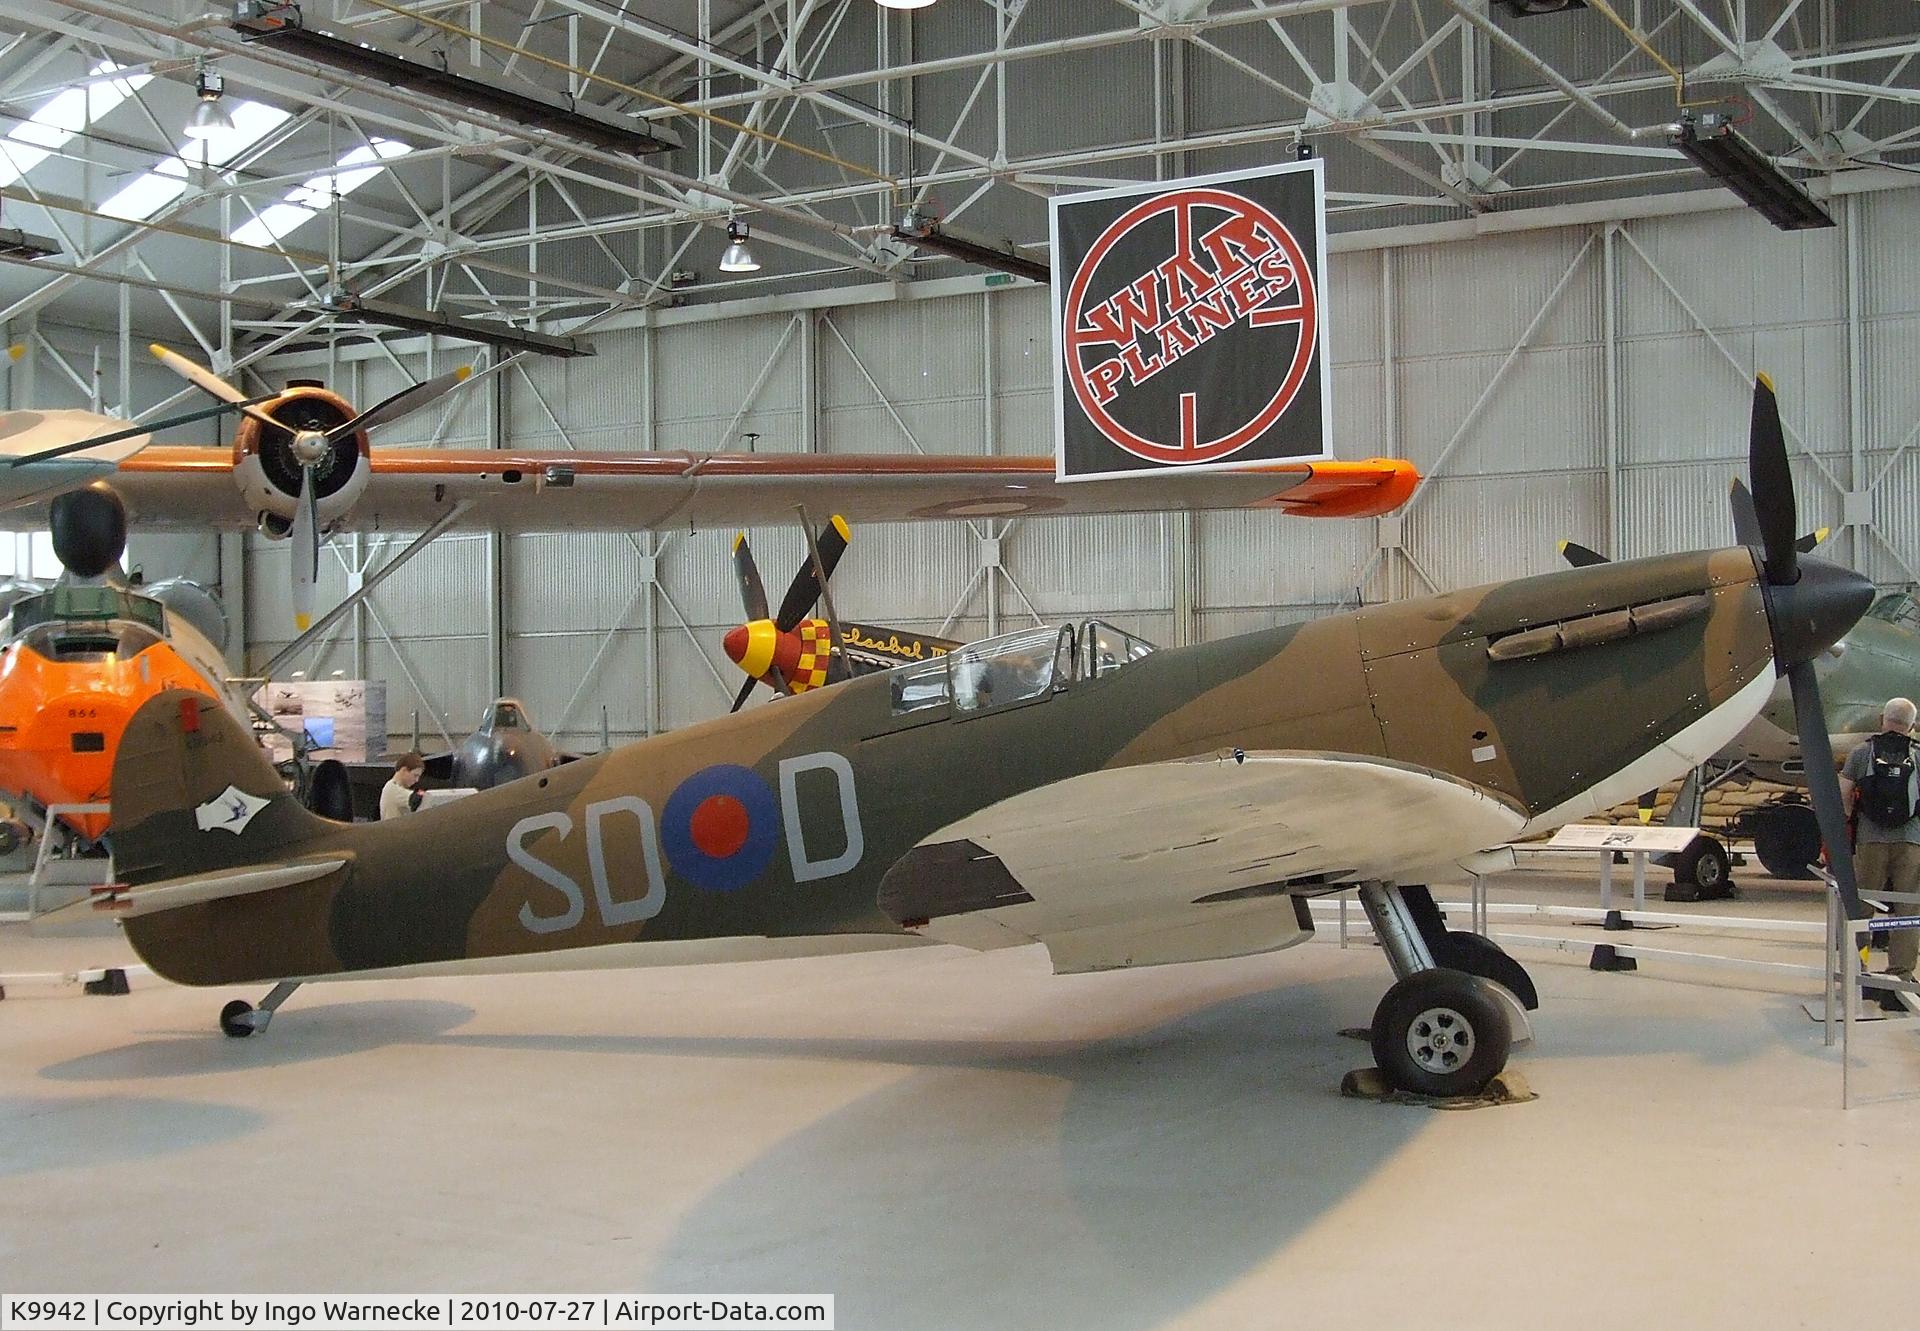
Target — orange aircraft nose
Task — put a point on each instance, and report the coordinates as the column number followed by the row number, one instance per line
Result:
column 735, row 644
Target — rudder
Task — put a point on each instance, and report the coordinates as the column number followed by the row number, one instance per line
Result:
column 193, row 792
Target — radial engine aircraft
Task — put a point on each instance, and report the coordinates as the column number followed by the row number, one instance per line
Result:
column 78, row 658
column 1178, row 806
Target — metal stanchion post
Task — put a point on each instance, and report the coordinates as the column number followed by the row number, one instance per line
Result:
column 1343, row 919
column 1849, row 1002
column 1639, row 880
column 1833, row 963
column 1606, row 880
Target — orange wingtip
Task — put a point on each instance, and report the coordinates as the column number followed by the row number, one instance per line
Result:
column 1351, row 489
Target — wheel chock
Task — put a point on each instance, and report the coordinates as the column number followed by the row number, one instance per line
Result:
column 1508, row 1087
column 1605, row 958
column 1613, row 922
column 112, row 982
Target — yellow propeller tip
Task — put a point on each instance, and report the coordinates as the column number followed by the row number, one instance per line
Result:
column 1820, row 534
column 840, row 525
column 1766, row 380
column 739, row 540
column 157, row 350
column 302, row 621
column 16, row 351
column 1560, row 547
column 460, row 375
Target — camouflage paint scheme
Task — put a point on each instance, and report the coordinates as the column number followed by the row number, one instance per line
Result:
column 1396, row 690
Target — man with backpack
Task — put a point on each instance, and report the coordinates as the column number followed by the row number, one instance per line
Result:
column 1886, row 850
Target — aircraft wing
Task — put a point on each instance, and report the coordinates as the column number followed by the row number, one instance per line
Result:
column 174, row 487
column 1185, row 861
column 25, row 433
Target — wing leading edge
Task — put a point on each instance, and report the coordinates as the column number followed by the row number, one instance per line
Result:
column 1185, row 861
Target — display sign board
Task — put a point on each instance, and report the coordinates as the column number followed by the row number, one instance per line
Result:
column 1627, row 836
column 1190, row 324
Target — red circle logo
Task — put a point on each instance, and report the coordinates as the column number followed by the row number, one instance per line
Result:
column 1170, row 290
column 719, row 826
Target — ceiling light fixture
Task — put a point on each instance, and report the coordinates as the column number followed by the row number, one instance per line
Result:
column 209, row 118
column 1710, row 143
column 737, row 258
column 904, row 4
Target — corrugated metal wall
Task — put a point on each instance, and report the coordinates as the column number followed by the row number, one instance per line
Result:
column 1487, row 362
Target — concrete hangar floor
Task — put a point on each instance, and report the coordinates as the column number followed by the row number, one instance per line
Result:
column 945, row 1139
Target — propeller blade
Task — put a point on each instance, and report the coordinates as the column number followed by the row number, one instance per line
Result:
column 1746, row 522
column 753, row 594
column 115, row 436
column 805, row 588
column 305, row 537
column 1816, row 753
column 1579, row 556
column 405, row 402
column 1773, row 500
column 1807, row 544
column 740, row 698
column 209, row 382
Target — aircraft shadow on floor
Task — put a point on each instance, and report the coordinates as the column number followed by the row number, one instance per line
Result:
column 42, row 1133
column 328, row 1030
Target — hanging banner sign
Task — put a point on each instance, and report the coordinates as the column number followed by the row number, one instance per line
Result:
column 1189, row 324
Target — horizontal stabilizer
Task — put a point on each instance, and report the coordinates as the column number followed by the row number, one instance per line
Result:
column 172, row 893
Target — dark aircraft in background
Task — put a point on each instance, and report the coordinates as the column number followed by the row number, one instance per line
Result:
column 1175, row 806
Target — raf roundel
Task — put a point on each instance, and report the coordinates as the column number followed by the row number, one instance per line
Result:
column 720, row 827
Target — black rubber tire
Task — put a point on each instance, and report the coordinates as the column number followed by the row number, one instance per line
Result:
column 230, row 1023
column 1704, row 867
column 1437, row 1008
column 1786, row 837
column 1461, row 950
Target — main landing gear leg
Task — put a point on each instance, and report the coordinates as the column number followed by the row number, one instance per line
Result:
column 1439, row 1031
column 240, row 1018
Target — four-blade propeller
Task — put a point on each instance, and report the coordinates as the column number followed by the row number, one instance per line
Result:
column 309, row 449
column 766, row 647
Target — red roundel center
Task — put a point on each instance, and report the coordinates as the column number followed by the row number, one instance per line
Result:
column 719, row 826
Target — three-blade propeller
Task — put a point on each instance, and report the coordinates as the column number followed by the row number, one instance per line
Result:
column 762, row 645
column 310, row 448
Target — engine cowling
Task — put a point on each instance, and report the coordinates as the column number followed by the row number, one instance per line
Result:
column 268, row 473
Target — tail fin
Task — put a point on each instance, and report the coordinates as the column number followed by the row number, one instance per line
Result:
column 193, row 793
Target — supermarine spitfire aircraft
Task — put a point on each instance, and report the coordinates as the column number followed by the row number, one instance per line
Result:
column 1177, row 806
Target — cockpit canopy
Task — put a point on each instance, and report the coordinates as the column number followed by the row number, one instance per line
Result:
column 86, row 622
column 1897, row 608
column 1014, row 667
column 505, row 714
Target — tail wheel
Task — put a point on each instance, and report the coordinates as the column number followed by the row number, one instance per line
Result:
column 1441, row 1033
column 233, row 1019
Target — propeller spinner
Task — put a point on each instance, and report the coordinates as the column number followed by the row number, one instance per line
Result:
column 771, row 649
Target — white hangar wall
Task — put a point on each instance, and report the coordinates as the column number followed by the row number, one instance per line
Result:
column 1584, row 381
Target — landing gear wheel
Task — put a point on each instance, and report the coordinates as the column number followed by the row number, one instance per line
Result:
column 1786, row 837
column 233, row 1019
column 1459, row 950
column 1441, row 1033
column 1701, row 872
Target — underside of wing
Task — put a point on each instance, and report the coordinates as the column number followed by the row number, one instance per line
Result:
column 409, row 488
column 1188, row 860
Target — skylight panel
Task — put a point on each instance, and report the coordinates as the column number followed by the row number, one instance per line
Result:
column 62, row 116
column 146, row 195
column 306, row 201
